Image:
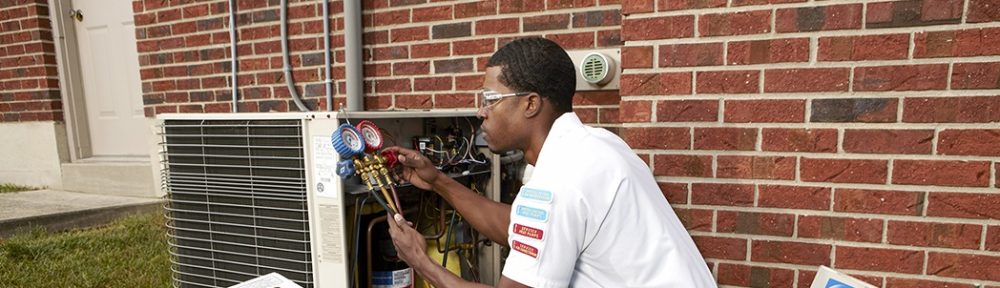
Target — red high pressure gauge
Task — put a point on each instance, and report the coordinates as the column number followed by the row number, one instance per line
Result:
column 372, row 135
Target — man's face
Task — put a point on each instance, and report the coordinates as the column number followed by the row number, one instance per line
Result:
column 499, row 118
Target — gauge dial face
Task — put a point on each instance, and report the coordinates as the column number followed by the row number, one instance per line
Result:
column 351, row 139
column 373, row 138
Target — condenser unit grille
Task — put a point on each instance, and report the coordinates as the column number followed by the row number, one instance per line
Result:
column 237, row 201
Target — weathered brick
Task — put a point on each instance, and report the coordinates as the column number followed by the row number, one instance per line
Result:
column 473, row 47
column 806, row 80
column 901, row 78
column 687, row 111
column 969, row 42
column 414, row 101
column 658, row 138
column 635, row 111
column 979, row 142
column 964, row 205
column 720, row 194
column 929, row 234
column 878, row 259
column 432, row 84
column 768, row 51
column 436, row 13
column 834, row 17
column 840, row 228
column 695, row 219
column 993, row 238
column 799, row 140
column 888, row 141
column 738, row 23
column 969, row 266
column 586, row 98
column 793, row 197
column 455, row 100
column 546, row 22
column 408, row 34
column 906, row 283
column 656, row 84
column 476, row 9
column 681, row 55
column 721, row 247
column 843, row 170
column 562, row 4
column 519, row 6
column 637, row 6
column 913, row 13
column 870, row 47
column 658, row 28
column 451, row 30
column 568, row 41
column 783, row 111
column 879, row 201
column 498, row 26
column 637, row 57
column 453, row 65
column 684, row 165
column 725, row 139
column 754, row 276
column 952, row 110
column 676, row 193
column 411, row 68
column 597, row 18
column 870, row 110
column 430, row 50
column 790, row 252
column 976, row 75
column 941, row 173
column 751, row 223
column 673, row 5
column 756, row 167
column 983, row 11
column 727, row 82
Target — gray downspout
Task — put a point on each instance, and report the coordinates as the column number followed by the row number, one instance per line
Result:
column 352, row 50
column 284, row 55
column 326, row 54
column 232, row 51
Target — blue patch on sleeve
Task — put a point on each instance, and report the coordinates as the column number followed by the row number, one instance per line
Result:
column 535, row 194
column 532, row 213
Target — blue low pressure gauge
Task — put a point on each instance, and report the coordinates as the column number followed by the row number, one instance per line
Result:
column 347, row 141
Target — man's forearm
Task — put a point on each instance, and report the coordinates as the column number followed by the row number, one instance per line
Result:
column 489, row 217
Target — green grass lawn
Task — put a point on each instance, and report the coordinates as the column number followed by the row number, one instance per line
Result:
column 131, row 252
column 7, row 188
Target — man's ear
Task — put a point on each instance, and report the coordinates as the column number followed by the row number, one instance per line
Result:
column 534, row 105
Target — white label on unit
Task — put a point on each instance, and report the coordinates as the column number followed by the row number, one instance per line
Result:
column 273, row 280
column 324, row 167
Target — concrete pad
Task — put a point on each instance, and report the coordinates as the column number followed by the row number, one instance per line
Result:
column 60, row 210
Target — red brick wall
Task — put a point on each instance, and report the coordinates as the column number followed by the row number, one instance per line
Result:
column 29, row 82
column 417, row 55
column 855, row 134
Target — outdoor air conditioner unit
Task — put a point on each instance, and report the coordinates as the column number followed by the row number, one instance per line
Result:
column 256, row 193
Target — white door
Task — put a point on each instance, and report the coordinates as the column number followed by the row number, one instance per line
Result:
column 109, row 67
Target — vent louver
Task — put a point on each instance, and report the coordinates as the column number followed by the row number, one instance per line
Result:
column 237, row 201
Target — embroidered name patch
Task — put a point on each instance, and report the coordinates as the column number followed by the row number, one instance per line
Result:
column 525, row 249
column 528, row 231
column 532, row 213
column 535, row 194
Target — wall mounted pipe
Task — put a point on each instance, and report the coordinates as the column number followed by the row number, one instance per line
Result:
column 352, row 55
column 284, row 55
column 232, row 51
column 326, row 54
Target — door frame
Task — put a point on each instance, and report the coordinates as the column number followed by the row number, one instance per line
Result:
column 68, row 65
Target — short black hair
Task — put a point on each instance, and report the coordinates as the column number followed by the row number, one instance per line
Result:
column 537, row 65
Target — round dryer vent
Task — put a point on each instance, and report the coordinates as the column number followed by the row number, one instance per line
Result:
column 597, row 68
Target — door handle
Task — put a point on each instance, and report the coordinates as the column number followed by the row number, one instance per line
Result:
column 76, row 14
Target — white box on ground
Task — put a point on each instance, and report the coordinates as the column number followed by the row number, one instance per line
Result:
column 273, row 280
column 829, row 278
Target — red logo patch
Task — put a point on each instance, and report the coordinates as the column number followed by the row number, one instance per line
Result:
column 528, row 231
column 525, row 249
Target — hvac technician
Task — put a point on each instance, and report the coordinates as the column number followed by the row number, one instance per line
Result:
column 590, row 216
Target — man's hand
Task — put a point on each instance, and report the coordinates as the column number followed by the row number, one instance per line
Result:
column 416, row 168
column 410, row 244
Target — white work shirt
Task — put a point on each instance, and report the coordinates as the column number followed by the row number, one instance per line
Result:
column 593, row 216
